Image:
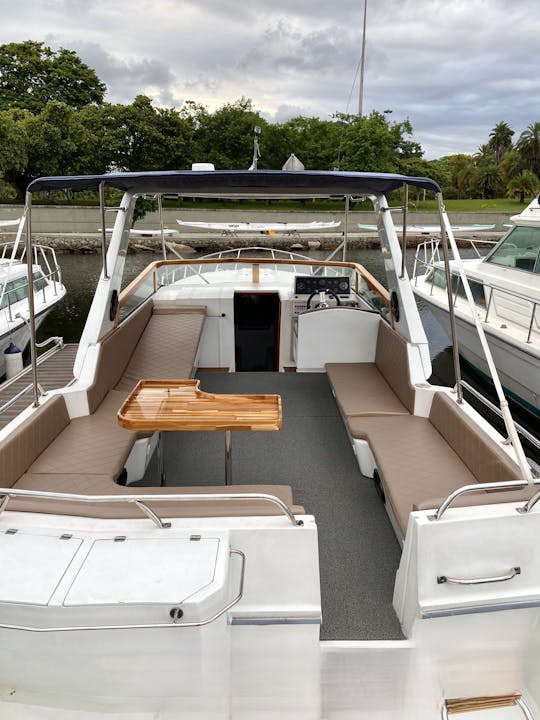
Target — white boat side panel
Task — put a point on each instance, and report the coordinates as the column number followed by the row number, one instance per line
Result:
column 335, row 335
column 33, row 565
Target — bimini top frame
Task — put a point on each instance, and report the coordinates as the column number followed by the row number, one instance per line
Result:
column 240, row 183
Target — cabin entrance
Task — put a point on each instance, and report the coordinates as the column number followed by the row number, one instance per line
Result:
column 256, row 331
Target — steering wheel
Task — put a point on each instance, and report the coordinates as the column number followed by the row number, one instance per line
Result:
column 322, row 299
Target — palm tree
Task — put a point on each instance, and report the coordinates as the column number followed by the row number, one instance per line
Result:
column 529, row 146
column 526, row 184
column 500, row 140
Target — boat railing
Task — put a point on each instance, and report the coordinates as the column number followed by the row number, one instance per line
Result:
column 494, row 409
column 428, row 253
column 486, row 487
column 45, row 257
column 141, row 501
column 165, row 272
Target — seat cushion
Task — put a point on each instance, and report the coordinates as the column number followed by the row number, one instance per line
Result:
column 31, row 438
column 94, row 444
column 167, row 348
column 360, row 389
column 486, row 459
column 392, row 360
column 413, row 459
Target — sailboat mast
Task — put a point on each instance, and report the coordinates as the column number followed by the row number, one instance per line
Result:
column 362, row 64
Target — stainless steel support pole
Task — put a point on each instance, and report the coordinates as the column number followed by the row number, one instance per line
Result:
column 404, row 231
column 161, row 459
column 346, row 231
column 228, row 458
column 160, row 210
column 103, row 229
column 448, row 274
column 31, row 309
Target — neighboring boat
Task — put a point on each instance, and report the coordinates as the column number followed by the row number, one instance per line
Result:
column 142, row 587
column 14, row 305
column 505, row 285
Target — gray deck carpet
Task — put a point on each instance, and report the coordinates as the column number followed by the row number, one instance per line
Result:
column 358, row 551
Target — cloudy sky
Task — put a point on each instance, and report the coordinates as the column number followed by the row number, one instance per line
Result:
column 453, row 67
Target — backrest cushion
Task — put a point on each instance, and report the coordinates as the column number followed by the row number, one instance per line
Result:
column 393, row 363
column 484, row 458
column 167, row 346
column 31, row 438
column 116, row 349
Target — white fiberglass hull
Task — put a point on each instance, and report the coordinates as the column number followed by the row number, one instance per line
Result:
column 517, row 366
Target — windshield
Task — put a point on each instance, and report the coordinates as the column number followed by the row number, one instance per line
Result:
column 520, row 249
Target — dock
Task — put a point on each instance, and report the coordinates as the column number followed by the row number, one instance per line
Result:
column 55, row 370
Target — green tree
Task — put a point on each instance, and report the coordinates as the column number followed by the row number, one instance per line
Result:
column 142, row 137
column 463, row 174
column 500, row 140
column 524, row 185
column 53, row 142
column 314, row 141
column 225, row 137
column 528, row 146
column 373, row 144
column 31, row 75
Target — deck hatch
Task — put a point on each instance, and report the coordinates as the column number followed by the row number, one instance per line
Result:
column 33, row 566
column 143, row 570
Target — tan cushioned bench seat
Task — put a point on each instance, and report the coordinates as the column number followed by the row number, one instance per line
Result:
column 379, row 388
column 94, row 444
column 360, row 389
column 101, row 485
column 413, row 459
column 420, row 458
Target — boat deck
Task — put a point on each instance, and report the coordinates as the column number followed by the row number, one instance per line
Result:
column 55, row 370
column 359, row 553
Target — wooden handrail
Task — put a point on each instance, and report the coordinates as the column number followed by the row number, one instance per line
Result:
column 371, row 281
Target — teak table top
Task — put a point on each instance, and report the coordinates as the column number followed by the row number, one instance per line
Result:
column 156, row 405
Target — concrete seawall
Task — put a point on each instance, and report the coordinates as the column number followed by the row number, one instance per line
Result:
column 75, row 228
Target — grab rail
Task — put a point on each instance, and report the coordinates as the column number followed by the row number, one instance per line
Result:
column 151, row 272
column 479, row 486
column 175, row 613
column 521, row 430
column 141, row 500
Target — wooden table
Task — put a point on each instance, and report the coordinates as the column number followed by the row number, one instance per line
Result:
column 157, row 405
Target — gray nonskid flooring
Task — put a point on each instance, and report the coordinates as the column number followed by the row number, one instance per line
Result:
column 358, row 551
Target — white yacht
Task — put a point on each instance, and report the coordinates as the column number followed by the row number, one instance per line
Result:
column 252, row 504
column 506, row 288
column 14, row 301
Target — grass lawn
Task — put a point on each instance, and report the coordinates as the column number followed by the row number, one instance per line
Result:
column 509, row 205
column 504, row 205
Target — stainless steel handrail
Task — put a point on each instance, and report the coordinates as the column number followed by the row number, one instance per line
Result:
column 142, row 499
column 479, row 486
column 15, row 398
column 174, row 614
column 441, row 579
column 521, row 430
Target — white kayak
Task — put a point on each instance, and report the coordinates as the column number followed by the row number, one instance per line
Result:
column 433, row 229
column 260, row 227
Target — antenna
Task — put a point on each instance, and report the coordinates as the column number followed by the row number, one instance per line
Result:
column 256, row 152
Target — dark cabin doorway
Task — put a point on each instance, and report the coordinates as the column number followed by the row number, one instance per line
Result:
column 256, row 331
